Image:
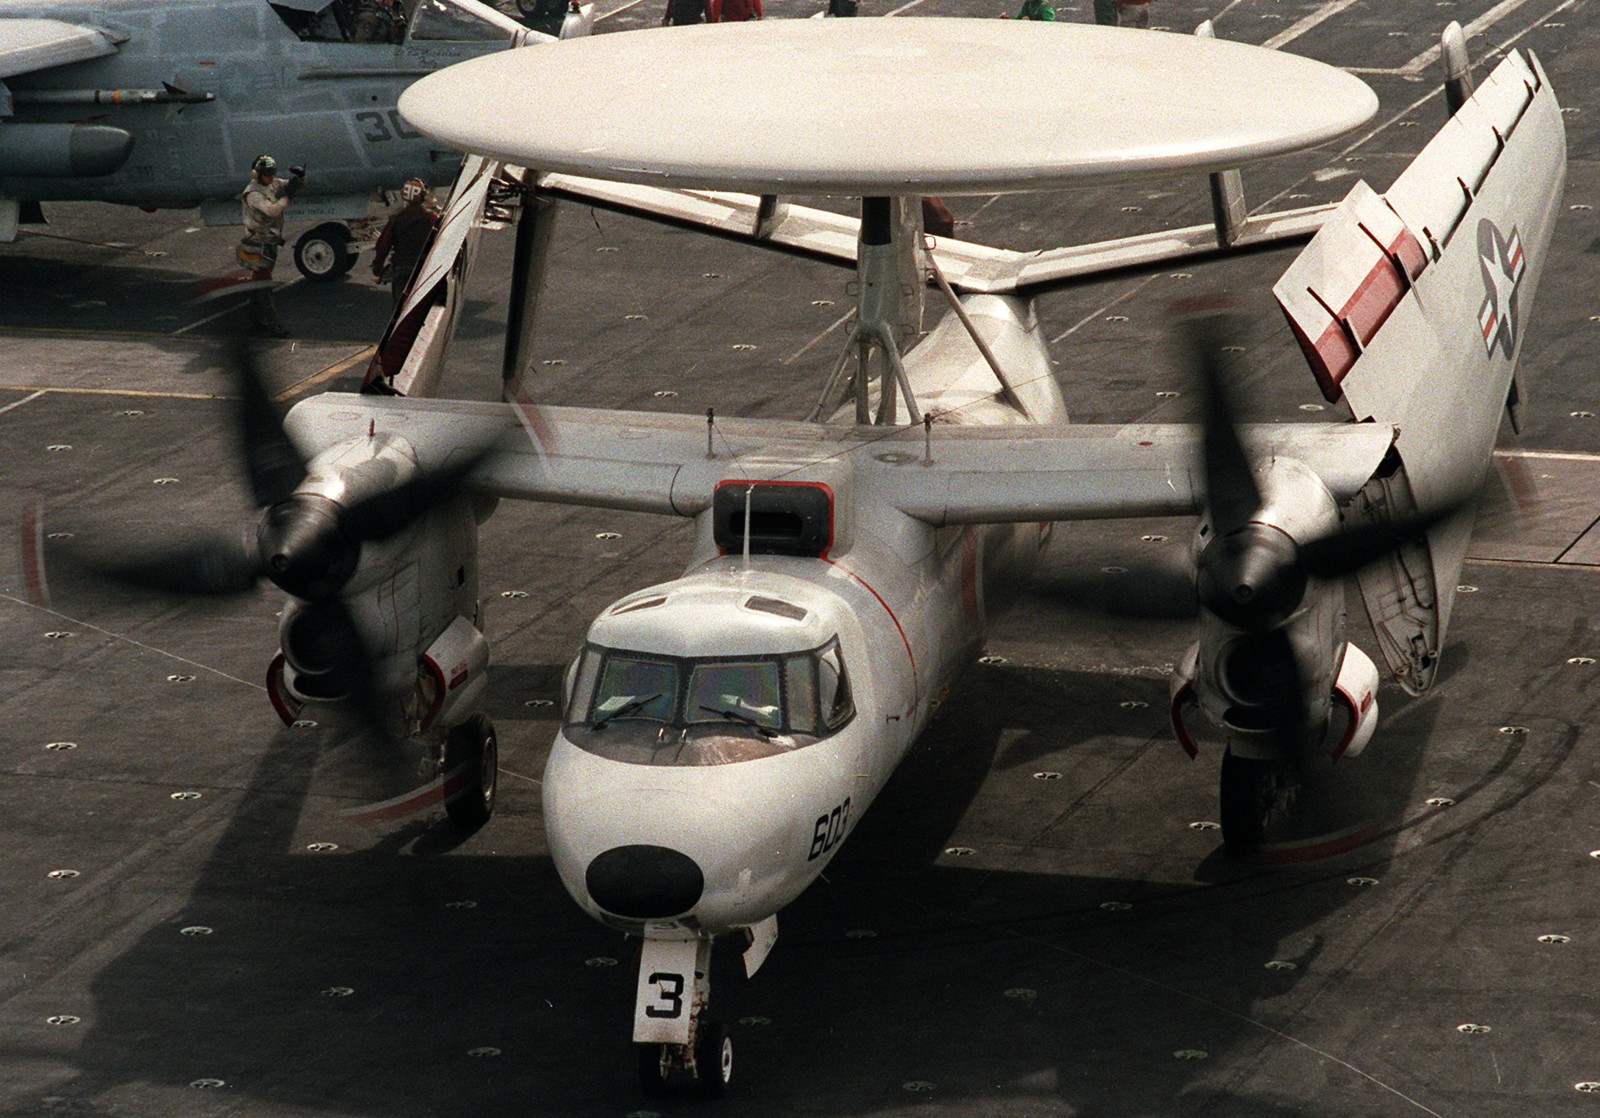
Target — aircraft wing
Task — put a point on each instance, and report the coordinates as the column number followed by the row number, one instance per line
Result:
column 27, row 45
column 669, row 463
column 769, row 222
column 985, row 475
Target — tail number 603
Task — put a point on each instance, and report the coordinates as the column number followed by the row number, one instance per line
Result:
column 829, row 831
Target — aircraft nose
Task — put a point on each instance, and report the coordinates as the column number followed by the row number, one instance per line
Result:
column 644, row 882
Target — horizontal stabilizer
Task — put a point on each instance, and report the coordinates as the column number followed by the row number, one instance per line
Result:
column 768, row 222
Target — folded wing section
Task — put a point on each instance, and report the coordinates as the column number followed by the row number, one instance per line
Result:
column 768, row 221
column 1410, row 306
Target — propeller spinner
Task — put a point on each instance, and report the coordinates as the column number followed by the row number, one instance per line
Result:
column 306, row 542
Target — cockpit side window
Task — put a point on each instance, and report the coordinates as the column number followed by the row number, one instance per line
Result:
column 344, row 21
column 800, row 692
column 834, row 688
column 585, row 670
column 443, row 21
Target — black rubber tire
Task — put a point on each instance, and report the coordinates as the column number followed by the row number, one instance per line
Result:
column 713, row 1057
column 652, row 1080
column 323, row 253
column 474, row 745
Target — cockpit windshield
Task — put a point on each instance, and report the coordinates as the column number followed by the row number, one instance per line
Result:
column 662, row 710
column 448, row 21
column 387, row 21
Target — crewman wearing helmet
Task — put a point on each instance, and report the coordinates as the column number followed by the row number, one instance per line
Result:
column 404, row 238
column 262, row 205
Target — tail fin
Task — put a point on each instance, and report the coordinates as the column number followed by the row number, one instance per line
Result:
column 1409, row 306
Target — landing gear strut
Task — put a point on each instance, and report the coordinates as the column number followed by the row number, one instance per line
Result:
column 1254, row 795
column 676, row 1040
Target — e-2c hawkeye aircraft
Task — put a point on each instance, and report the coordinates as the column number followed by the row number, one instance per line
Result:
column 167, row 103
column 724, row 732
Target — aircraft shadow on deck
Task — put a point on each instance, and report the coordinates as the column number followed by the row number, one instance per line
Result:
column 996, row 986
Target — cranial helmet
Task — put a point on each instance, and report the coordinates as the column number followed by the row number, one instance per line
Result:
column 265, row 165
column 413, row 190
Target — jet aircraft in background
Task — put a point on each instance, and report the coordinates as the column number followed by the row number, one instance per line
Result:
column 167, row 103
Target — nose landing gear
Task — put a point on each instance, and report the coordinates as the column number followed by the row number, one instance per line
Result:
column 676, row 1040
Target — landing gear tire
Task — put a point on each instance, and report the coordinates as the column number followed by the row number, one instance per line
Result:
column 652, row 1069
column 713, row 1058
column 1253, row 794
column 472, row 747
column 323, row 253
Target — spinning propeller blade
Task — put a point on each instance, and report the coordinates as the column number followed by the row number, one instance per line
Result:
column 272, row 463
column 1231, row 490
column 1253, row 575
column 213, row 566
column 307, row 544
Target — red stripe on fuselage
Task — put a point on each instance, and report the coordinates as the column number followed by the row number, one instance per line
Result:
column 916, row 685
column 969, row 574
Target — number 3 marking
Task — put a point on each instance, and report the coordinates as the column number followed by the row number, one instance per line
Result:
column 377, row 128
column 380, row 129
column 669, row 996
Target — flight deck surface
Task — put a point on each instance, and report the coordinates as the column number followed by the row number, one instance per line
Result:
column 1034, row 919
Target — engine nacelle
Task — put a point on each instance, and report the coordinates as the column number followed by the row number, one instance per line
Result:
column 1356, row 694
column 452, row 675
column 411, row 599
column 1354, row 698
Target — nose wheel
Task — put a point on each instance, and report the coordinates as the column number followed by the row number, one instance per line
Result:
column 705, row 1067
column 677, row 1043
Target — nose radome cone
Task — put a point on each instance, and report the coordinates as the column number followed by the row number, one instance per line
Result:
column 644, row 882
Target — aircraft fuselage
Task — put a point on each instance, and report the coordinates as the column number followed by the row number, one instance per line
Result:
column 707, row 770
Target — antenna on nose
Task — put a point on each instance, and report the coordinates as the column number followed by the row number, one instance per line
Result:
column 749, row 490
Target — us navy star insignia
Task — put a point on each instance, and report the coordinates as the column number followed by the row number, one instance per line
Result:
column 1503, row 263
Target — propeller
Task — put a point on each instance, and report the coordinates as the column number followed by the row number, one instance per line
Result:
column 305, row 543
column 1250, row 574
column 1253, row 575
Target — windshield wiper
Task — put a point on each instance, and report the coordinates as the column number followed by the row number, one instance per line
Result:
column 742, row 719
column 627, row 708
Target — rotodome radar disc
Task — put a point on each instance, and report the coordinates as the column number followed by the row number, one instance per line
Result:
column 886, row 106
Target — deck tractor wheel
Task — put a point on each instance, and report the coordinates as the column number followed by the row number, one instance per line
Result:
column 323, row 252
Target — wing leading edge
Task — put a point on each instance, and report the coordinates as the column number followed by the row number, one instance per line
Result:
column 27, row 45
column 671, row 464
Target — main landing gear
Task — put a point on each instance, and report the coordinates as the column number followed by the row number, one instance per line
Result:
column 472, row 755
column 1256, row 796
column 676, row 1041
